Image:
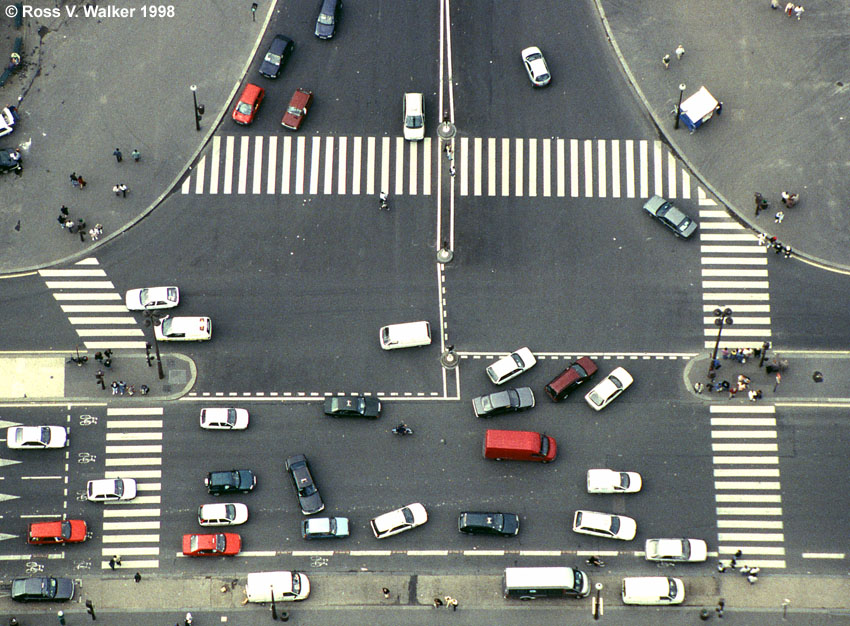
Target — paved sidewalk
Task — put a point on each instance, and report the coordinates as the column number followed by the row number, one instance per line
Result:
column 89, row 85
column 784, row 124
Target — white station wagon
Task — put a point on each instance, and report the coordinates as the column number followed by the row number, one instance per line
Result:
column 610, row 481
column 36, row 437
column 398, row 521
column 184, row 329
column 228, row 514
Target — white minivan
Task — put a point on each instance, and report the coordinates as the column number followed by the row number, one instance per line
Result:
column 653, row 590
column 407, row 335
column 286, row 586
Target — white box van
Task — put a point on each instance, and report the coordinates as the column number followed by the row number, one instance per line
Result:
column 287, row 586
column 528, row 583
column 406, row 335
column 653, row 590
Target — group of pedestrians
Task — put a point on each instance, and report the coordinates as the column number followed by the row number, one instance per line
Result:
column 791, row 9
column 773, row 242
column 788, row 199
column 120, row 388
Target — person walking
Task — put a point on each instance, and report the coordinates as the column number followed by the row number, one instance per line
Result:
column 383, row 199
column 665, row 61
column 386, row 592
column 680, row 52
column 789, row 9
column 99, row 379
column 787, row 250
column 122, row 387
column 136, row 155
column 112, row 563
column 117, row 154
column 145, row 390
column 798, row 11
column 780, row 215
column 74, row 180
column 759, row 203
column 774, row 4
column 137, row 577
column 62, row 219
column 82, row 183
column 123, row 189
column 114, row 387
column 63, row 210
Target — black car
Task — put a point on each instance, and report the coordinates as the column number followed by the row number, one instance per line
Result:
column 328, row 17
column 305, row 487
column 10, row 161
column 42, row 589
column 503, row 402
column 232, row 481
column 353, row 406
column 502, row 524
column 276, row 57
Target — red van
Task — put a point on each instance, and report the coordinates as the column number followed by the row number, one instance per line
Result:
column 519, row 445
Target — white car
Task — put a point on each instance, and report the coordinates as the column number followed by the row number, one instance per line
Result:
column 224, row 418
column 8, row 117
column 610, row 481
column 152, row 298
column 398, row 521
column 676, row 550
column 609, row 388
column 604, row 525
column 536, row 66
column 111, row 489
column 414, row 116
column 184, row 329
column 511, row 366
column 229, row 514
column 36, row 437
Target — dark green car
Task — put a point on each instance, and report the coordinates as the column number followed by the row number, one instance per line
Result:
column 231, row 481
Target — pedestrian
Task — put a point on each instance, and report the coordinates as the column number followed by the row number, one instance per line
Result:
column 136, row 155
column 122, row 387
column 452, row 603
column 780, row 215
column 81, row 182
column 189, row 619
column 798, row 11
column 74, row 180
column 114, row 386
column 131, row 390
column 732, row 392
column 99, row 229
column 112, row 563
column 437, row 603
column 117, row 558
column 680, row 52
column 777, row 247
column 62, row 219
column 63, row 210
column 116, row 190
column 452, row 171
column 448, row 601
column 594, row 560
column 123, row 189
column 71, row 225
column 719, row 108
column 107, row 362
column 721, row 567
column 725, row 353
column 13, row 621
column 665, row 60
column 762, row 239
column 759, row 395
column 753, row 575
column 774, row 4
column 789, row 9
column 117, row 154
column 144, row 389
column 720, row 606
column 787, row 251
column 386, row 592
column 98, row 356
column 107, row 353
column 752, row 395
column 137, row 577
column 759, row 200
column 698, row 387
column 99, row 379
column 93, row 234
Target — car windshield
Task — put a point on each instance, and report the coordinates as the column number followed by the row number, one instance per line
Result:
column 615, row 524
column 119, row 488
column 408, row 515
column 518, row 360
column 229, row 511
column 616, row 382
column 413, row 121
column 534, row 56
column 294, row 111
column 595, row 398
column 324, row 18
column 244, row 108
column 166, row 326
column 624, row 480
column 273, row 58
column 50, row 589
column 66, row 530
column 578, row 369
column 231, row 417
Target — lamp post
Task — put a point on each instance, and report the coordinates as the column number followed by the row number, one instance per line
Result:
column 198, row 109
column 682, row 88
column 721, row 318
column 153, row 318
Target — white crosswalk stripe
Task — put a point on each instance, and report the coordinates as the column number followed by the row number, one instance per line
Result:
column 124, row 522
column 100, row 327
column 485, row 166
column 747, row 485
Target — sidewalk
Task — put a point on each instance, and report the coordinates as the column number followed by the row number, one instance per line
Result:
column 784, row 120
column 89, row 85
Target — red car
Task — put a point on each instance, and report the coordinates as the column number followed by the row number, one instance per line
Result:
column 58, row 531
column 249, row 102
column 214, row 544
column 297, row 109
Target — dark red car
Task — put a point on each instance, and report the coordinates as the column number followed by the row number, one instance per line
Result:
column 249, row 102
column 58, row 531
column 567, row 381
column 213, row 544
column 297, row 109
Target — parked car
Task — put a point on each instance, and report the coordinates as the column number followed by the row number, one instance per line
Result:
column 227, row 514
column 413, row 116
column 535, row 65
column 297, row 109
column 577, row 373
column 8, row 117
column 610, row 481
column 184, row 329
column 324, row 527
column 604, row 525
column 505, row 401
column 231, row 481
column 353, row 406
column 669, row 215
column 398, row 521
column 477, row 523
column 248, row 103
column 278, row 52
column 328, row 18
column 57, row 531
column 111, row 489
column 42, row 589
column 609, row 388
column 305, row 487
column 676, row 550
column 152, row 298
column 212, row 544
column 511, row 366
column 224, row 418
column 36, row 437
column 10, row 161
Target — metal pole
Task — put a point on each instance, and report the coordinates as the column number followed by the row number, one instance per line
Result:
column 682, row 88
column 194, row 89
column 159, row 371
column 720, row 318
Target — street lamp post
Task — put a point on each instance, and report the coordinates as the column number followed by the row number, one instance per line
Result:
column 152, row 318
column 198, row 109
column 682, row 88
column 721, row 318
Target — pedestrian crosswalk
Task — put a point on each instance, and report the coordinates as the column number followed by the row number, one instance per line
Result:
column 94, row 308
column 485, row 166
column 748, row 494
column 734, row 276
column 133, row 450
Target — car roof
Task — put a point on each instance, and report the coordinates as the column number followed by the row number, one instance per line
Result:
column 413, row 103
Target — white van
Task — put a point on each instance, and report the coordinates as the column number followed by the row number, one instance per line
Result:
column 407, row 335
column 528, row 583
column 287, row 586
column 653, row 590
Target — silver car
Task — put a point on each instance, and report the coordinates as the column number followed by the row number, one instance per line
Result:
column 535, row 65
column 669, row 215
